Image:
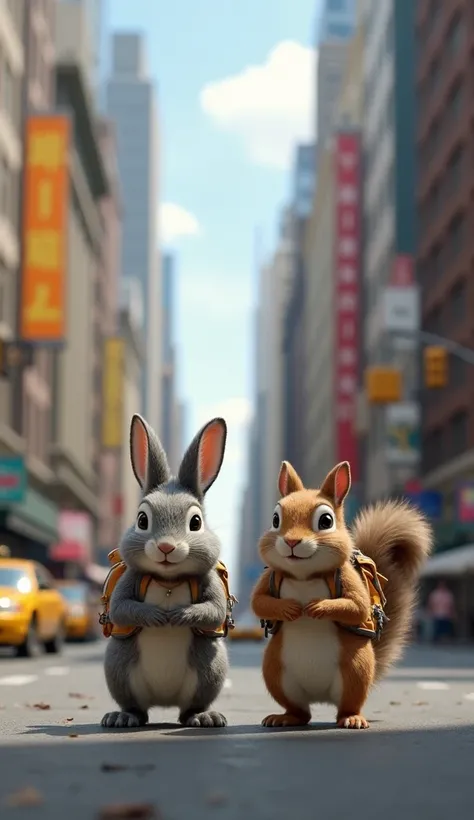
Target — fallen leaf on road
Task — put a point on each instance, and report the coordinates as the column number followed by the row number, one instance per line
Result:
column 395, row 703
column 217, row 799
column 85, row 706
column 130, row 811
column 25, row 797
column 42, row 706
column 79, row 696
column 68, row 720
column 420, row 703
column 123, row 767
column 73, row 734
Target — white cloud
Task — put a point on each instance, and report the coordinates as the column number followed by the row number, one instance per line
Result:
column 236, row 411
column 176, row 222
column 269, row 105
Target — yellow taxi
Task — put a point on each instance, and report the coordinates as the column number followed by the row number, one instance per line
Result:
column 32, row 611
column 247, row 628
column 82, row 610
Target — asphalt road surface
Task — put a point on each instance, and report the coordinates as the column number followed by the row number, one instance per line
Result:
column 415, row 762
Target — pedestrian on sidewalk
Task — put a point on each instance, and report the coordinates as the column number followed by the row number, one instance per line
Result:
column 441, row 608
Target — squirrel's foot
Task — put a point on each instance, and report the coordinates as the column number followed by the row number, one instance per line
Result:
column 204, row 720
column 353, row 722
column 124, row 720
column 287, row 719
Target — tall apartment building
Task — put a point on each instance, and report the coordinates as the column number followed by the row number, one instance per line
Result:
column 26, row 75
column 445, row 192
column 389, row 230
column 77, row 427
column 171, row 432
column 293, row 360
column 336, row 27
column 131, row 103
column 111, row 208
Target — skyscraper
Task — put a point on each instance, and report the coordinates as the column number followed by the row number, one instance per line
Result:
column 336, row 27
column 131, row 102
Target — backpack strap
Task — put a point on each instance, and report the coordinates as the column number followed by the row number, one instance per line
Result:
column 274, row 587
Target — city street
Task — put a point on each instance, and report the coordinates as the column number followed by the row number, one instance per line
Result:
column 416, row 761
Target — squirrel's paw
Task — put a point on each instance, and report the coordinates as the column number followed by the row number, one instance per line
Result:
column 316, row 609
column 123, row 720
column 206, row 720
column 286, row 720
column 353, row 722
column 291, row 610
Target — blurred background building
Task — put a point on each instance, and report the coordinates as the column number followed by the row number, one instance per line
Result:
column 80, row 197
column 380, row 282
column 131, row 104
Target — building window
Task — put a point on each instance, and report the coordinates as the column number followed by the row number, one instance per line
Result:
column 458, row 428
column 456, row 235
column 457, row 372
column 455, row 38
column 458, row 302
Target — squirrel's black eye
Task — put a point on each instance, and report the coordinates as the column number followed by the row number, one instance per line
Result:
column 275, row 521
column 325, row 522
column 142, row 521
column 195, row 523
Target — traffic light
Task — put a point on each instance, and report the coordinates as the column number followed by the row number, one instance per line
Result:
column 383, row 385
column 435, row 366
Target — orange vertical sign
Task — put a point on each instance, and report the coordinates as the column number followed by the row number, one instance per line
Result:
column 45, row 217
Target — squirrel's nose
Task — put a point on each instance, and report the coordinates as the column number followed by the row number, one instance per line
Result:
column 166, row 548
column 292, row 542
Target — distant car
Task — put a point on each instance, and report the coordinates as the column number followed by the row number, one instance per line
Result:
column 82, row 610
column 247, row 628
column 32, row 611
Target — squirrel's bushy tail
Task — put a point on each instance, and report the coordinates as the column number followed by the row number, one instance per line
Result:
column 399, row 539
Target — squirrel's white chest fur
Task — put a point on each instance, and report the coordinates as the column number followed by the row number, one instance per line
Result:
column 162, row 675
column 310, row 649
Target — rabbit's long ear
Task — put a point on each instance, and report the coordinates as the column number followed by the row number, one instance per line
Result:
column 203, row 459
column 337, row 483
column 148, row 458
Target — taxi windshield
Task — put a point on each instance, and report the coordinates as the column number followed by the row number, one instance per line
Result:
column 74, row 594
column 14, row 579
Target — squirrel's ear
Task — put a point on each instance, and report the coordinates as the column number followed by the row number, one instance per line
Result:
column 203, row 459
column 337, row 483
column 288, row 479
column 149, row 462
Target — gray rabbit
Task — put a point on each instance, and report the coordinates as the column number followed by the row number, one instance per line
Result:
column 166, row 660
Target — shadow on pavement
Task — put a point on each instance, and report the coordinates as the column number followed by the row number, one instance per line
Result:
column 414, row 774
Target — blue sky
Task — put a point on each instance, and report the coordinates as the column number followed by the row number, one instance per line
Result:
column 235, row 91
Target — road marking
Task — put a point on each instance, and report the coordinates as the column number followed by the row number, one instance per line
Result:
column 57, row 671
column 469, row 696
column 18, row 680
column 227, row 683
column 432, row 684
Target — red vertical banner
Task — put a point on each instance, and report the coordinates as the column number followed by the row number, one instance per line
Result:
column 347, row 255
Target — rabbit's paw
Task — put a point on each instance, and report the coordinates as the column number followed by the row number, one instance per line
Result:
column 124, row 720
column 206, row 720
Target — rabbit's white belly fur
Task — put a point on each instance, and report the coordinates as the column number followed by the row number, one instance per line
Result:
column 310, row 650
column 163, row 675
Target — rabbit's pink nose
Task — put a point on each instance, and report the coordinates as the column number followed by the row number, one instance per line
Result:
column 166, row 548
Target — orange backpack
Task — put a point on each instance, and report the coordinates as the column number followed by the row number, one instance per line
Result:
column 374, row 582
column 117, row 570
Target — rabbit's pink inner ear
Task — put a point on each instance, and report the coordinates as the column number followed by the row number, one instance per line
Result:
column 139, row 450
column 210, row 453
column 342, row 483
column 283, row 479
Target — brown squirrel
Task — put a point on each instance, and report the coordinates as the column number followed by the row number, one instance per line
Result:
column 316, row 596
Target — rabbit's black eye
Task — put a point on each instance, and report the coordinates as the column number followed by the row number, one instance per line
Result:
column 142, row 521
column 195, row 523
column 275, row 521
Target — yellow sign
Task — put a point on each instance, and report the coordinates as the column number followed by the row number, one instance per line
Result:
column 45, row 219
column 383, row 384
column 112, row 407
